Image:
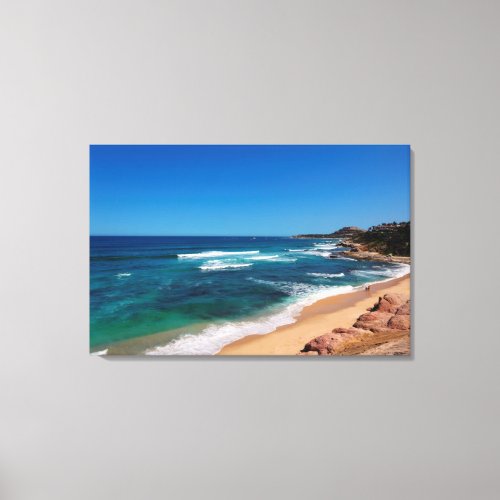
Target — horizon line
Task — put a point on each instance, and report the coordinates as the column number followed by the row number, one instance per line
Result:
column 193, row 235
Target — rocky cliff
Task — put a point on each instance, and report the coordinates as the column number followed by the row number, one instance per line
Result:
column 392, row 238
column 385, row 243
column 383, row 330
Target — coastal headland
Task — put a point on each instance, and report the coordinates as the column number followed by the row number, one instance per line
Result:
column 388, row 242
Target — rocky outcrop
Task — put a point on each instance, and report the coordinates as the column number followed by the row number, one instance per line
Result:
column 397, row 347
column 371, row 320
column 326, row 344
column 391, row 303
column 356, row 253
column 383, row 243
column 387, row 322
column 388, row 242
column 399, row 322
column 404, row 309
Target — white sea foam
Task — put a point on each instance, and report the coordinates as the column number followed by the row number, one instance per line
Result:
column 327, row 275
column 325, row 246
column 123, row 275
column 217, row 265
column 296, row 249
column 214, row 253
column 262, row 257
column 271, row 258
column 213, row 338
column 100, row 353
column 318, row 253
column 389, row 272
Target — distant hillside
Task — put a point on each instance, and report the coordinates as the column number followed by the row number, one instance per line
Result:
column 388, row 238
column 345, row 232
column 348, row 232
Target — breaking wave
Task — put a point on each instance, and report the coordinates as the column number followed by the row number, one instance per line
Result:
column 393, row 272
column 327, row 275
column 214, row 253
column 318, row 253
column 217, row 265
column 325, row 246
column 263, row 257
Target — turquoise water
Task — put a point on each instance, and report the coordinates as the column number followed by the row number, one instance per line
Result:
column 213, row 290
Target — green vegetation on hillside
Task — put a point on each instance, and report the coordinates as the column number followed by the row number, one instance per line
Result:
column 388, row 238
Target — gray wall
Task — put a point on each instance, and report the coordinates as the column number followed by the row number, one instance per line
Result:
column 79, row 427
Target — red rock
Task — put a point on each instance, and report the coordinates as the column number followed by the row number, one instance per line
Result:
column 394, row 299
column 381, row 329
column 384, row 305
column 399, row 322
column 371, row 320
column 323, row 345
column 392, row 312
column 388, row 303
column 404, row 309
column 327, row 343
column 350, row 331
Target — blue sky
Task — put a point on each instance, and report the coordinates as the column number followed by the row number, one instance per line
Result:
column 245, row 190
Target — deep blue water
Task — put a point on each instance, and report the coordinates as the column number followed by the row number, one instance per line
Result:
column 217, row 289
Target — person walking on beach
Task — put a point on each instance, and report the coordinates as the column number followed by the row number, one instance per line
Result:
column 367, row 288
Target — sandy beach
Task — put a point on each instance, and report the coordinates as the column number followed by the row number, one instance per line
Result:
column 316, row 319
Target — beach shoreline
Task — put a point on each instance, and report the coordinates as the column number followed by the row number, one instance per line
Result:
column 316, row 319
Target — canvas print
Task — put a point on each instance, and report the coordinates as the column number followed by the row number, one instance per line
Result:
column 250, row 250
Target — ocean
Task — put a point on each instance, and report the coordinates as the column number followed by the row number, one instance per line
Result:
column 193, row 295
